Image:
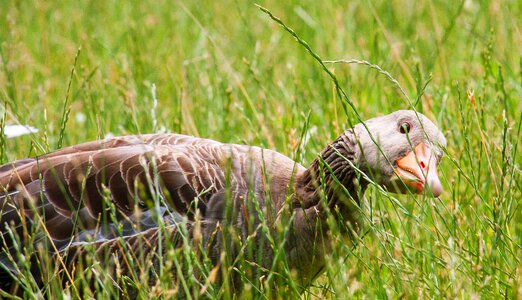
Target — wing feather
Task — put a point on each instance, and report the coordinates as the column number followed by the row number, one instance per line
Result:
column 71, row 188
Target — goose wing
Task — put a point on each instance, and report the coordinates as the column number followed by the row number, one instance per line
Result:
column 74, row 190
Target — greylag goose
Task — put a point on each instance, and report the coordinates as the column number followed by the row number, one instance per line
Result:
column 100, row 193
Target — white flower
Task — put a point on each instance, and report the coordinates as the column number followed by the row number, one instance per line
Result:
column 80, row 117
column 12, row 131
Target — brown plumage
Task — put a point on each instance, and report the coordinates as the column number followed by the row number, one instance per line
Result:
column 180, row 179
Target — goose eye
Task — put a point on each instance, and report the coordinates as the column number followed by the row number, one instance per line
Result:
column 405, row 128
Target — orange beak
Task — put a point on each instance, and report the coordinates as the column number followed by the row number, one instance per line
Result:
column 418, row 170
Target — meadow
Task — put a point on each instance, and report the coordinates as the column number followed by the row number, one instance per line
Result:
column 227, row 70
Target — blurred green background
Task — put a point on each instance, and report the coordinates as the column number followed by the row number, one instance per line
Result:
column 82, row 70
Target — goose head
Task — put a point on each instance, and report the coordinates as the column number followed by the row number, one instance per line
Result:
column 401, row 152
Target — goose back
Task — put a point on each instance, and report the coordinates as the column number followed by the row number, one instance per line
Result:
column 97, row 192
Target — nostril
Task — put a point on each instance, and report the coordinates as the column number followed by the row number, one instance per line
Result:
column 422, row 164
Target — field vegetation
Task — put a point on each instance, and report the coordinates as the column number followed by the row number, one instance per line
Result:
column 227, row 70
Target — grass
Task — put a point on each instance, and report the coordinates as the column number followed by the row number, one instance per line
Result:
column 226, row 70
